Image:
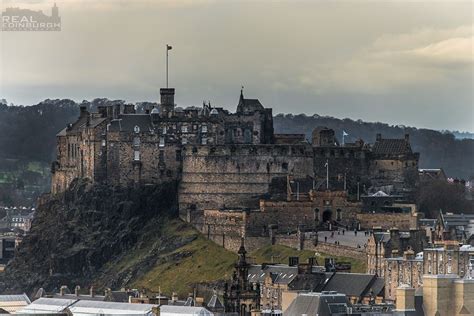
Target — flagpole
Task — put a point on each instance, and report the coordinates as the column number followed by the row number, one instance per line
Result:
column 167, row 65
column 343, row 138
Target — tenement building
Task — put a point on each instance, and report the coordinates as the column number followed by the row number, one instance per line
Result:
column 221, row 160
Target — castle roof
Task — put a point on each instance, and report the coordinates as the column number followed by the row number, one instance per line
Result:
column 392, row 147
column 248, row 105
column 127, row 123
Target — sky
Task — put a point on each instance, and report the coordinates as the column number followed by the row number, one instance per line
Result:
column 400, row 62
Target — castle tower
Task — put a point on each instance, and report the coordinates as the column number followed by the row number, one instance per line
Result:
column 167, row 101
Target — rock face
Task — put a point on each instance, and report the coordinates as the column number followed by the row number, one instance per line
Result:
column 77, row 234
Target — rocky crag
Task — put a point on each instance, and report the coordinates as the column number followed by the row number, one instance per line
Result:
column 77, row 236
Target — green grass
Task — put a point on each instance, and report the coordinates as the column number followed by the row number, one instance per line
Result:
column 201, row 261
column 198, row 261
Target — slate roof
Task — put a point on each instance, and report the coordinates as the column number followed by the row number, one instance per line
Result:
column 112, row 308
column 351, row 284
column 248, row 105
column 308, row 282
column 184, row 310
column 47, row 305
column 127, row 123
column 321, row 304
column 391, row 147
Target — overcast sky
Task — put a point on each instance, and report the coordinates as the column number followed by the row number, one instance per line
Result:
column 400, row 62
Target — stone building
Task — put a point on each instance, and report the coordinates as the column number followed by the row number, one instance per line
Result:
column 392, row 243
column 403, row 270
column 448, row 257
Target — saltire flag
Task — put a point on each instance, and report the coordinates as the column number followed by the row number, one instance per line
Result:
column 169, row 47
column 344, row 133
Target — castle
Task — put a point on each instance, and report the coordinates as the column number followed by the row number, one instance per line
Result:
column 223, row 161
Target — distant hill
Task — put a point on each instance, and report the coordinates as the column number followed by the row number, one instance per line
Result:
column 28, row 133
column 437, row 149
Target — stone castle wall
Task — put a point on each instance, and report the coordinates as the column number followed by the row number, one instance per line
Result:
column 236, row 176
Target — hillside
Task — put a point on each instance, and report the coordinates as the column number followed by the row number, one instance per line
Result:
column 112, row 237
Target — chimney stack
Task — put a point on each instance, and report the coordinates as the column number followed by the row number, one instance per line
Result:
column 76, row 290
column 92, row 291
column 63, row 290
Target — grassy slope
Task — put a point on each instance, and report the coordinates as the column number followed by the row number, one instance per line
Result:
column 202, row 261
column 198, row 261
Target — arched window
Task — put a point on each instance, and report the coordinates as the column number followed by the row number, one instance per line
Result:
column 316, row 214
column 339, row 214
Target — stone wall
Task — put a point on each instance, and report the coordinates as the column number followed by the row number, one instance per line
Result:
column 403, row 221
column 236, row 176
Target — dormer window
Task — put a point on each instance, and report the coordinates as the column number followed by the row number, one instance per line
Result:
column 136, row 129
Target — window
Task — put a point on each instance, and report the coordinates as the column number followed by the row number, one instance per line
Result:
column 204, row 140
column 204, row 129
column 161, row 155
column 339, row 214
column 136, row 129
column 164, row 130
column 184, row 140
column 136, row 155
column 284, row 166
column 178, row 155
column 103, row 143
column 162, row 141
column 184, row 129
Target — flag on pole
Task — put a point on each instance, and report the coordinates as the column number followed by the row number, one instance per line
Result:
column 169, row 47
column 344, row 133
column 326, row 164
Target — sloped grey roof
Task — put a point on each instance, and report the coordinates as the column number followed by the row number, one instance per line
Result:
column 185, row 310
column 351, row 284
column 108, row 307
column 392, row 147
column 15, row 298
column 320, row 304
column 127, row 123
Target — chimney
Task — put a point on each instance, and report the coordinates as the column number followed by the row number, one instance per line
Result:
column 174, row 297
column 76, row 290
column 405, row 299
column 63, row 290
column 83, row 110
column 129, row 109
column 378, row 137
column 91, row 291
column 102, row 110
column 107, row 292
column 293, row 261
